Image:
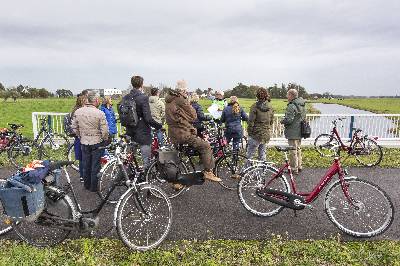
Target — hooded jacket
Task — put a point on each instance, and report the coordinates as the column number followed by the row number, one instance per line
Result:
column 157, row 108
column 295, row 112
column 179, row 115
column 260, row 122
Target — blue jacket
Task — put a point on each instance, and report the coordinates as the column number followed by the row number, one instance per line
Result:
column 110, row 117
column 233, row 122
column 200, row 115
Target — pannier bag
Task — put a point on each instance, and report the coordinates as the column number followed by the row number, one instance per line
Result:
column 20, row 200
column 167, row 164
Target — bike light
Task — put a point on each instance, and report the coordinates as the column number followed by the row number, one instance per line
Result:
column 8, row 221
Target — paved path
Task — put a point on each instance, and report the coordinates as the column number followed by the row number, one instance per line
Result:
column 212, row 212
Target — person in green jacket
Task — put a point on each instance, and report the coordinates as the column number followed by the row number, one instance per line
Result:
column 220, row 101
column 295, row 112
column 259, row 127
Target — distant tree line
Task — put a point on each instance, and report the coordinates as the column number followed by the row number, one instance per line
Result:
column 245, row 91
column 29, row 92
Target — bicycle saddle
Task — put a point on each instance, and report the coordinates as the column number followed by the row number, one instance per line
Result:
column 285, row 148
column 356, row 129
column 15, row 126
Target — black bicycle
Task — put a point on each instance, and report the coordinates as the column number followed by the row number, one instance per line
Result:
column 142, row 217
column 46, row 145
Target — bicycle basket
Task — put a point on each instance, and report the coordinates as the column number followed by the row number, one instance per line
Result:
column 19, row 204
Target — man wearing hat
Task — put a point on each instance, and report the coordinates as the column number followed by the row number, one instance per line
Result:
column 180, row 115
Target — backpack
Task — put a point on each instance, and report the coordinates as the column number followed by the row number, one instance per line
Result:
column 127, row 111
column 67, row 125
column 305, row 127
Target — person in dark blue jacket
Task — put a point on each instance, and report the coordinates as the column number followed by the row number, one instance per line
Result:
column 198, row 123
column 232, row 116
column 107, row 109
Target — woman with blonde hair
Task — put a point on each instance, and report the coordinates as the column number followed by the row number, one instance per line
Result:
column 108, row 111
column 232, row 116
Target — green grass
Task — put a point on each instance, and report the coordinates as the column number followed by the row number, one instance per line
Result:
column 277, row 251
column 381, row 106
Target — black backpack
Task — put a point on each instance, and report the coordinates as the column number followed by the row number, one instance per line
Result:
column 67, row 125
column 127, row 111
column 305, row 127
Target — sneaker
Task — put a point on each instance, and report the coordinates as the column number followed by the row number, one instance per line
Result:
column 235, row 176
column 177, row 186
column 81, row 179
column 210, row 176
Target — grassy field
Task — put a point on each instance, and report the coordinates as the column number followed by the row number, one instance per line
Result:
column 277, row 251
column 381, row 106
column 21, row 111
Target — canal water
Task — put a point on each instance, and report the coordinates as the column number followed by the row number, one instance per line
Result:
column 373, row 126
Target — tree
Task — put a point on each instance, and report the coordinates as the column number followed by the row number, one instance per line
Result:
column 2, row 88
column 199, row 91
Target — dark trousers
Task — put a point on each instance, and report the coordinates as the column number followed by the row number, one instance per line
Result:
column 236, row 136
column 91, row 155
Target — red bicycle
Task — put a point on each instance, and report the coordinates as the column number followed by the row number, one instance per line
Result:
column 363, row 147
column 357, row 207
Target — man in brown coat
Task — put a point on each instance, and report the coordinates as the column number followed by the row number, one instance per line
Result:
column 90, row 126
column 180, row 115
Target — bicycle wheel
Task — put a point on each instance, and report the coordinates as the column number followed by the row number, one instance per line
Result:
column 227, row 167
column 144, row 217
column 55, row 147
column 4, row 228
column 371, row 214
column 367, row 152
column 71, row 157
column 47, row 229
column 153, row 176
column 108, row 176
column 326, row 145
column 255, row 178
column 21, row 153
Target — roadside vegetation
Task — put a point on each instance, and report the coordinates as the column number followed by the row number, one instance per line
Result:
column 277, row 251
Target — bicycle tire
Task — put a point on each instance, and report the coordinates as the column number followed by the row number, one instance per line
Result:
column 156, row 204
column 338, row 210
column 227, row 166
column 42, row 232
column 71, row 157
column 50, row 148
column 366, row 146
column 107, row 179
column 22, row 152
column 253, row 179
column 153, row 177
column 327, row 145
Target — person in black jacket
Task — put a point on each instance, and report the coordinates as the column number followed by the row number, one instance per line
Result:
column 198, row 123
column 141, row 133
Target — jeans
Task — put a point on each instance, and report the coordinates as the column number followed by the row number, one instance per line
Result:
column 78, row 155
column 252, row 146
column 145, row 151
column 160, row 137
column 236, row 136
column 91, row 155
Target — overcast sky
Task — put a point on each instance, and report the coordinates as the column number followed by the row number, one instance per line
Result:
column 345, row 47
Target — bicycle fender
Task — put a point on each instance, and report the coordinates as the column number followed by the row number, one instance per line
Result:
column 337, row 181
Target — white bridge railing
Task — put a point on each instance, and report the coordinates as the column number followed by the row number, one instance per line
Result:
column 384, row 126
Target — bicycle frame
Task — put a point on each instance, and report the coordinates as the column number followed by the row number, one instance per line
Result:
column 309, row 197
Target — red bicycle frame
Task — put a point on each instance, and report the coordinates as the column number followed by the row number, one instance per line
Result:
column 309, row 197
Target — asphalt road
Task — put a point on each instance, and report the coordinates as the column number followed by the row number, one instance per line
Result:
column 211, row 212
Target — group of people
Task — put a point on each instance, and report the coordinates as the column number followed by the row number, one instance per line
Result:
column 184, row 117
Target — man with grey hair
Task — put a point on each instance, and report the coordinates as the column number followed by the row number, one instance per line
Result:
column 90, row 126
column 295, row 113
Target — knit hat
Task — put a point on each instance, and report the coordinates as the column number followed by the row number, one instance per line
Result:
column 181, row 85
